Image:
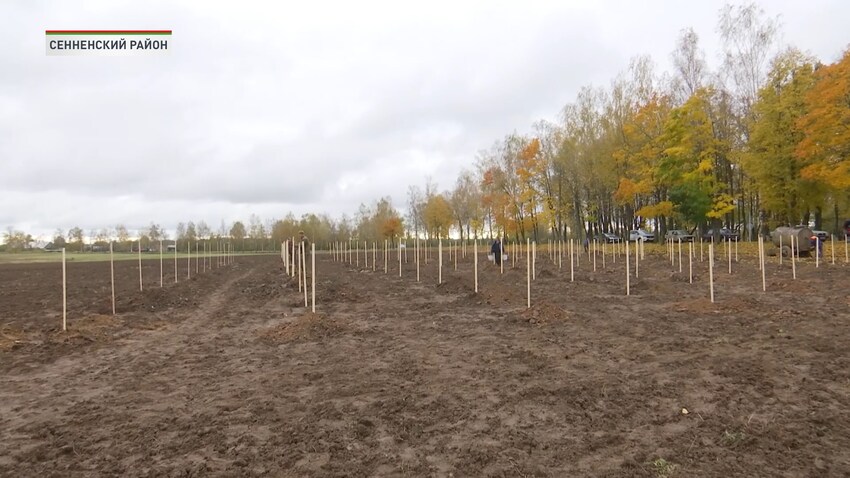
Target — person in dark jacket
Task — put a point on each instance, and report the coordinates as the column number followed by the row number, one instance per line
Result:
column 496, row 249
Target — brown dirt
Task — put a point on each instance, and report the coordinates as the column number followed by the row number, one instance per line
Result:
column 228, row 374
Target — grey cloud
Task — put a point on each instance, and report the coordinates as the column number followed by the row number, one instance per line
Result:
column 289, row 107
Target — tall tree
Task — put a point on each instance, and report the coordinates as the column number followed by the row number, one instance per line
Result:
column 690, row 162
column 689, row 62
column 15, row 240
column 237, row 231
column 438, row 216
column 825, row 147
column 154, row 232
column 75, row 235
column 770, row 160
column 203, row 230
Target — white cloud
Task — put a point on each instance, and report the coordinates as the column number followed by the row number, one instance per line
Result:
column 274, row 107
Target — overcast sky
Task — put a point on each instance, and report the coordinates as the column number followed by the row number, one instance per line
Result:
column 307, row 106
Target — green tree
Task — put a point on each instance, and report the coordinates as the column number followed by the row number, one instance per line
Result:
column 238, row 233
column 770, row 160
column 123, row 236
column 689, row 162
column 75, row 235
column 15, row 240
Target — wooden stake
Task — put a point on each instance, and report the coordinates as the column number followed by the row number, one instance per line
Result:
column 313, row 275
column 628, row 271
column 304, row 268
column 374, row 256
column 386, row 256
column 160, row 264
column 528, row 277
column 729, row 254
column 690, row 262
column 700, row 248
column 817, row 252
column 188, row 260
column 299, row 270
column 417, row 259
column 112, row 273
column 603, row 255
column 399, row 257
column 560, row 254
column 671, row 255
column 572, row 262
column 475, row 255
column 440, row 261
column 197, row 255
column 501, row 258
column 64, row 294
column 533, row 260
column 761, row 263
column 638, row 246
column 793, row 261
column 832, row 247
column 711, row 270
column 680, row 256
column 140, row 265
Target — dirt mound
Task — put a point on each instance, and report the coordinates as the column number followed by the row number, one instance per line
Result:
column 309, row 327
column 456, row 286
column 545, row 273
column 11, row 337
column 92, row 328
column 543, row 313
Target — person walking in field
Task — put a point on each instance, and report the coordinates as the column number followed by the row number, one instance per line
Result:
column 496, row 249
column 302, row 239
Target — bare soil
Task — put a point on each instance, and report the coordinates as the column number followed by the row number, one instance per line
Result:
column 228, row 374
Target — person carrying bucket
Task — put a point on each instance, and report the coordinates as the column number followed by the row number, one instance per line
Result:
column 496, row 250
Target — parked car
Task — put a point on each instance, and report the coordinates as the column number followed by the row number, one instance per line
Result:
column 607, row 237
column 641, row 235
column 822, row 235
column 677, row 235
column 725, row 234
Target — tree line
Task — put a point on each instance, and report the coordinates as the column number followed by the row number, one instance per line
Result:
column 762, row 142
column 375, row 223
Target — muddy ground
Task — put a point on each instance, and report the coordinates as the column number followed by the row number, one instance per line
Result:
column 227, row 374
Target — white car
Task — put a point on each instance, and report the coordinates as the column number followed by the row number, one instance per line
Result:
column 641, row 235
